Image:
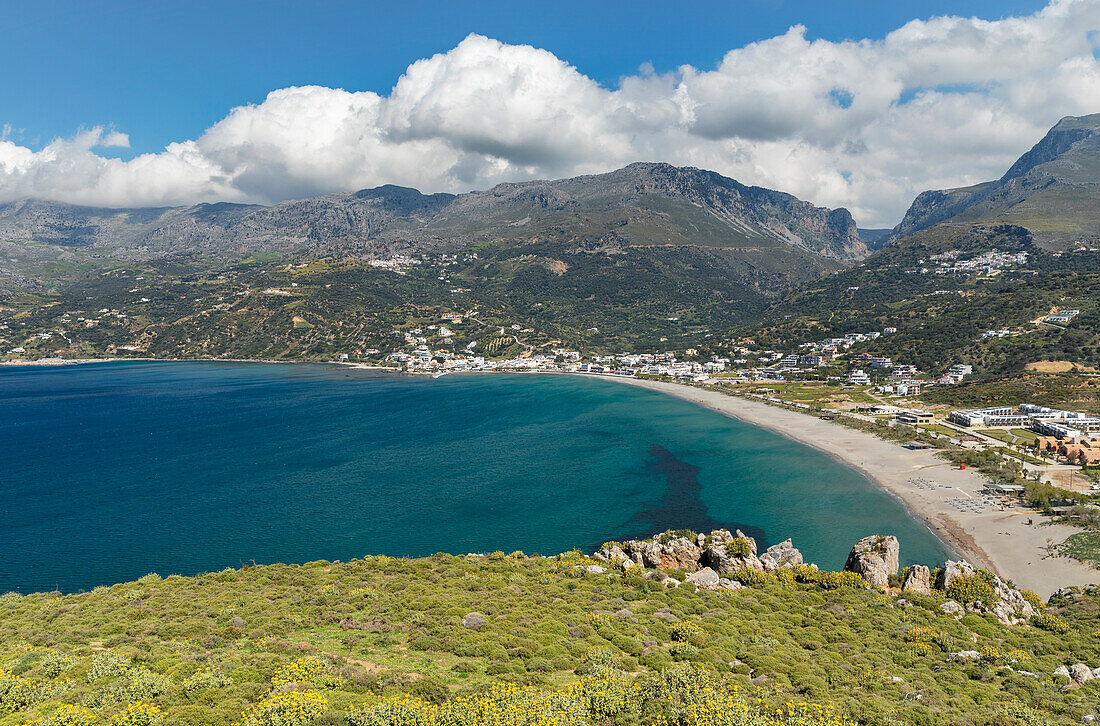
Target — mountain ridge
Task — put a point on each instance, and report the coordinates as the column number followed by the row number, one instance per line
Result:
column 1050, row 190
column 643, row 203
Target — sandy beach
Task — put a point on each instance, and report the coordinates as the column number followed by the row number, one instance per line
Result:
column 999, row 540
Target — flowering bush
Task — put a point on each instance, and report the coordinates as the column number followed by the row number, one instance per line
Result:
column 137, row 714
column 599, row 659
column 739, row 547
column 303, row 670
column 206, row 678
column 285, row 708
column 751, row 578
column 55, row 663
column 68, row 715
column 688, row 632
column 973, row 588
column 683, row 651
column 837, row 580
column 145, row 685
column 107, row 665
column 17, row 692
column 1032, row 598
column 1053, row 623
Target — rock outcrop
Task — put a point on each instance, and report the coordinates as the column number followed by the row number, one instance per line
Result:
column 953, row 608
column 918, row 580
column 1080, row 673
column 950, row 570
column 722, row 551
column 705, row 577
column 783, row 554
column 875, row 558
column 711, row 562
column 1005, row 603
column 473, row 621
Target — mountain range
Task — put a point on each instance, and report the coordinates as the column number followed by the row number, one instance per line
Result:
column 640, row 205
column 650, row 256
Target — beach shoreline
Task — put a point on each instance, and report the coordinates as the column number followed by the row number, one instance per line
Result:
column 999, row 540
column 1002, row 541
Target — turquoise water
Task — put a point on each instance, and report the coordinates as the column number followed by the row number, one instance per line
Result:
column 110, row 471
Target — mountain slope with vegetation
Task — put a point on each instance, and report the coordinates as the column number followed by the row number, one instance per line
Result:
column 990, row 316
column 515, row 640
column 1051, row 191
column 621, row 260
column 638, row 206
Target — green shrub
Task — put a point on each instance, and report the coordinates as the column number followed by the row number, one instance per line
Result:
column 1053, row 623
column 683, row 651
column 107, row 666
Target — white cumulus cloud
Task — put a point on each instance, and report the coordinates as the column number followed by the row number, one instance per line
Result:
column 865, row 124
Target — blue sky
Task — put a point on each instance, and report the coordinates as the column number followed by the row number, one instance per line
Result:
column 861, row 104
column 165, row 71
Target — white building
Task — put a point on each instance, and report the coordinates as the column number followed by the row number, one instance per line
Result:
column 859, row 378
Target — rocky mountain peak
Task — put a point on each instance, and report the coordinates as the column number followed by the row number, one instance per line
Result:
column 1059, row 141
column 1051, row 190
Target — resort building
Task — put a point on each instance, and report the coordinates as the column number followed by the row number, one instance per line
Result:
column 914, row 417
column 1081, row 450
column 1047, row 421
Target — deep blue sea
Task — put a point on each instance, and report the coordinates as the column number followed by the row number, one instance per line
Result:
column 110, row 471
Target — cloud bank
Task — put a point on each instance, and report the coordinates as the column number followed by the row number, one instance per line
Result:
column 864, row 124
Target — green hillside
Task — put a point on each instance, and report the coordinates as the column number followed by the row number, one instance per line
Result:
column 594, row 298
column 1051, row 191
column 510, row 640
column 941, row 317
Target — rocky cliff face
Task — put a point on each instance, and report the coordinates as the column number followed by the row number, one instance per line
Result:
column 1058, row 179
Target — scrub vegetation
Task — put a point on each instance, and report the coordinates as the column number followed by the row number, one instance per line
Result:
column 510, row 639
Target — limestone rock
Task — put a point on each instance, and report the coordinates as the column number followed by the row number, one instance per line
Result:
column 875, row 558
column 918, row 580
column 783, row 554
column 1061, row 671
column 705, row 577
column 1010, row 606
column 950, row 570
column 595, row 570
column 473, row 621
column 651, row 554
column 953, row 608
column 731, row 553
column 1080, row 673
column 965, row 655
column 741, row 535
column 679, row 554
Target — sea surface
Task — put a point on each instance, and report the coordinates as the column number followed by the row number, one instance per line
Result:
column 110, row 471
